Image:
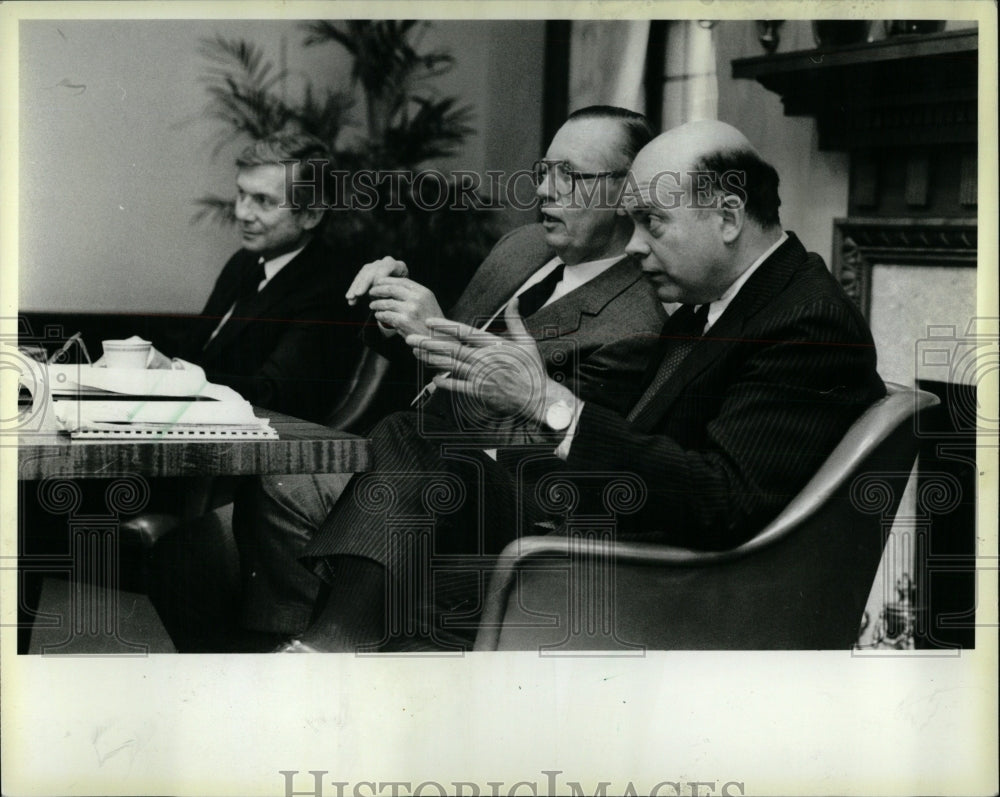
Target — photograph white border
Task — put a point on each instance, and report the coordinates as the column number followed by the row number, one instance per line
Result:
column 776, row 723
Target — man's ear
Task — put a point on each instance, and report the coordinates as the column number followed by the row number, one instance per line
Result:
column 732, row 215
column 309, row 218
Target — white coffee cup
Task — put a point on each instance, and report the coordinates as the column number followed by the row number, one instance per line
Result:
column 131, row 353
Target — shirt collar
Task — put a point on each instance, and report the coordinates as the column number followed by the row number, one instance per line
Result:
column 718, row 307
column 275, row 264
column 573, row 276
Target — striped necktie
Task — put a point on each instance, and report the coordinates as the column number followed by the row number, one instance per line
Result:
column 680, row 334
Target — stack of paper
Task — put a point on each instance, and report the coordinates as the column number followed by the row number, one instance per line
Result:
column 93, row 401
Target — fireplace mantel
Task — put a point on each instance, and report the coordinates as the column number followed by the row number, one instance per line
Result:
column 905, row 108
column 910, row 90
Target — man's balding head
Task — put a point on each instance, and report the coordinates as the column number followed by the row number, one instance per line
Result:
column 705, row 206
column 717, row 163
column 687, row 143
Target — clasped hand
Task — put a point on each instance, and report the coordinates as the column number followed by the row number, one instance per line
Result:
column 506, row 374
column 397, row 302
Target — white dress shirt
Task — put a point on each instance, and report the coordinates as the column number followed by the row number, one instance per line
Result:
column 573, row 277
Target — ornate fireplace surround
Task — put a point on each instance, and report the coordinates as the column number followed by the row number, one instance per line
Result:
column 906, row 111
column 859, row 243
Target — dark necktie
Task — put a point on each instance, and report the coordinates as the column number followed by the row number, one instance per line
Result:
column 531, row 300
column 251, row 279
column 680, row 335
column 247, row 289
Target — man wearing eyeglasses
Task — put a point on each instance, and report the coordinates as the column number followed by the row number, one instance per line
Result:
column 595, row 322
column 577, row 252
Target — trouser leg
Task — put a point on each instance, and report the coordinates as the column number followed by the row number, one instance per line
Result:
column 273, row 521
column 434, row 512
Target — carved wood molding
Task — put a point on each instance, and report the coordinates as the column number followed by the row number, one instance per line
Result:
column 919, row 90
column 913, row 122
column 861, row 243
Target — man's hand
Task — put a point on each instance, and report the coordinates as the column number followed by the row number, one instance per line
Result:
column 506, row 374
column 399, row 303
column 370, row 273
column 404, row 305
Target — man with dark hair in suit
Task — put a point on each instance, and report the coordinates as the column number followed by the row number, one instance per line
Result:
column 593, row 316
column 761, row 371
column 275, row 328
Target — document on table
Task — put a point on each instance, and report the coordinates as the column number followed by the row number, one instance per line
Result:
column 98, row 402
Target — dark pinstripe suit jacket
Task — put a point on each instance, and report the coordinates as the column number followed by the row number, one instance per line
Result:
column 749, row 415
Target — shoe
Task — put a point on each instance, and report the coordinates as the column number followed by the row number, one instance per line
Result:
column 296, row 646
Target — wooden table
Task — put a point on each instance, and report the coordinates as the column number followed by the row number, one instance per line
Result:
column 90, row 620
column 302, row 447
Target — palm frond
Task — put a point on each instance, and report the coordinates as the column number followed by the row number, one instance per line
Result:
column 436, row 129
column 323, row 117
column 407, row 124
column 241, row 88
column 239, row 60
column 321, row 31
column 220, row 210
column 385, row 60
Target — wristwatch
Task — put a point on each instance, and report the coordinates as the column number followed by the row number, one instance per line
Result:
column 559, row 415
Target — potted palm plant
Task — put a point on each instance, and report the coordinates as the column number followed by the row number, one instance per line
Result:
column 405, row 124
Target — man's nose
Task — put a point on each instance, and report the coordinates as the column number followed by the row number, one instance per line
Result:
column 242, row 208
column 545, row 188
column 637, row 245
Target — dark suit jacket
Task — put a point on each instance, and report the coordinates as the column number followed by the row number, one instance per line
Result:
column 749, row 415
column 294, row 346
column 597, row 339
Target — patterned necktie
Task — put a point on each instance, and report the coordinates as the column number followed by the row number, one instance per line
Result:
column 680, row 335
column 531, row 300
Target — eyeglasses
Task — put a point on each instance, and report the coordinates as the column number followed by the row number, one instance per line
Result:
column 564, row 176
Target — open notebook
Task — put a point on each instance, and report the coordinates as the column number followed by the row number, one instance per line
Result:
column 111, row 403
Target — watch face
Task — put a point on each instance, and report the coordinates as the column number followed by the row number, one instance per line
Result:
column 558, row 416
